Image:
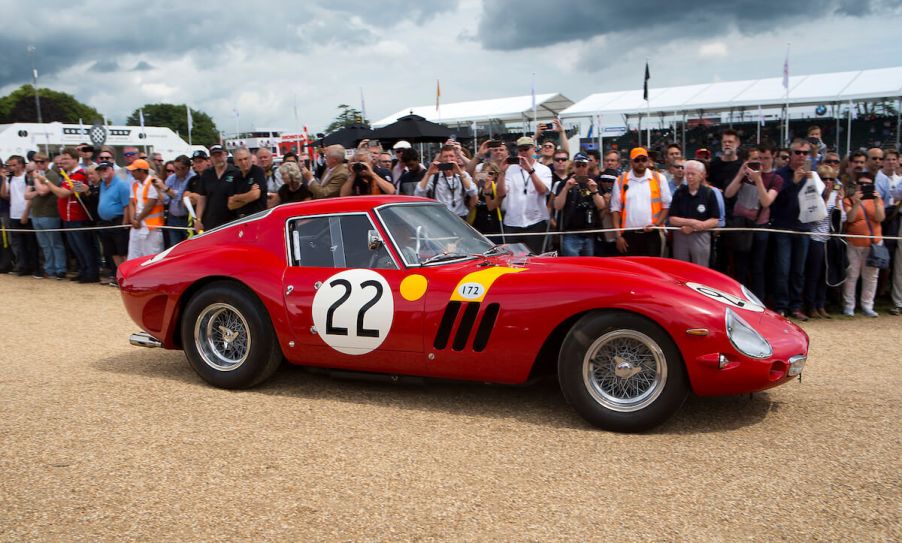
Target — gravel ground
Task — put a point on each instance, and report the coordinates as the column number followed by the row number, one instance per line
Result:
column 103, row 441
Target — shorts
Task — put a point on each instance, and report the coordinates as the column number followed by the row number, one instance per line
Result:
column 115, row 240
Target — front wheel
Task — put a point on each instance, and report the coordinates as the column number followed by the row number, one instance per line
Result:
column 229, row 340
column 621, row 372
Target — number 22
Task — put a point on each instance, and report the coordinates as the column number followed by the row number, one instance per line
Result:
column 331, row 329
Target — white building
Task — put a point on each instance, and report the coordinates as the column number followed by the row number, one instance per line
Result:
column 20, row 138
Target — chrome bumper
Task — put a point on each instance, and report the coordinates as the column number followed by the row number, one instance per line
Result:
column 143, row 339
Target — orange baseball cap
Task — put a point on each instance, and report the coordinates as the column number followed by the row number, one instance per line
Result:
column 638, row 151
column 139, row 164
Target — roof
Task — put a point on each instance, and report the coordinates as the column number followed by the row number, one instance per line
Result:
column 511, row 109
column 804, row 90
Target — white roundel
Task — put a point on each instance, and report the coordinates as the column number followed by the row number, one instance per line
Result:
column 353, row 311
column 470, row 291
column 724, row 298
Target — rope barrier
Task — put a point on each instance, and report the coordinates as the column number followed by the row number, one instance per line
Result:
column 596, row 231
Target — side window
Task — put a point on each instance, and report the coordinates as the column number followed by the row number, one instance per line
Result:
column 311, row 242
column 344, row 241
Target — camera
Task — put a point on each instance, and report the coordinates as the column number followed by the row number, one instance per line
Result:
column 513, row 160
column 867, row 191
column 446, row 166
column 493, row 144
column 358, row 167
column 754, row 166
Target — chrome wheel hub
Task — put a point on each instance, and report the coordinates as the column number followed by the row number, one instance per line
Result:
column 222, row 336
column 624, row 370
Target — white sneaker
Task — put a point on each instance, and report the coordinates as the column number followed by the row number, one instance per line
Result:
column 848, row 312
column 869, row 313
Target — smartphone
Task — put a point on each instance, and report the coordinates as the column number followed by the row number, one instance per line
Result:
column 493, row 144
column 513, row 160
column 374, row 143
column 446, row 166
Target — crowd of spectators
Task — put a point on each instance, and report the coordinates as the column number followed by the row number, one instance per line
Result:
column 780, row 206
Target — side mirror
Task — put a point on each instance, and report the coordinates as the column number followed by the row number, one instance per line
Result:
column 373, row 240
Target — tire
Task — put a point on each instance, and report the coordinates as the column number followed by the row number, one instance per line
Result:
column 641, row 381
column 248, row 356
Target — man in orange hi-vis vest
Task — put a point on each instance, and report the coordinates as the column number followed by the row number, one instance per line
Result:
column 146, row 206
column 639, row 202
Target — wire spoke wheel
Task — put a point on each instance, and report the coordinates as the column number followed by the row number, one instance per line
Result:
column 222, row 336
column 624, row 370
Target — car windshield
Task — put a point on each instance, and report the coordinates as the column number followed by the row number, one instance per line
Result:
column 429, row 233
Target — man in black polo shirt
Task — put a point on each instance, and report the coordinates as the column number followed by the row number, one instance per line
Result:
column 695, row 211
column 216, row 185
column 249, row 194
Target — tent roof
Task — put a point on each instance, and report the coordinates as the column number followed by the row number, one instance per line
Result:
column 804, row 90
column 511, row 109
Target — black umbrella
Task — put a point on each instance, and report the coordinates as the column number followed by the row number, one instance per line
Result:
column 347, row 137
column 412, row 128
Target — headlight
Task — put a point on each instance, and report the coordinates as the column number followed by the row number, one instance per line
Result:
column 750, row 296
column 746, row 340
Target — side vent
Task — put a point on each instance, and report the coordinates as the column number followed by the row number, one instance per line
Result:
column 444, row 327
column 466, row 326
column 486, row 325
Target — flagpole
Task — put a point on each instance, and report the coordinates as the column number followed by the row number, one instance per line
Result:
column 535, row 123
column 786, row 88
column 849, row 131
column 647, row 108
column 600, row 135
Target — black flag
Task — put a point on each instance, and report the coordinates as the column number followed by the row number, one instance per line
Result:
column 645, row 84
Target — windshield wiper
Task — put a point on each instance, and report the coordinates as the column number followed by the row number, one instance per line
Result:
column 443, row 256
column 498, row 250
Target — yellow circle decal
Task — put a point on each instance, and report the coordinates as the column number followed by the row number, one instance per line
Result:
column 413, row 287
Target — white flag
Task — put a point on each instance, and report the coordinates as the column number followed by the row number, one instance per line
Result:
column 81, row 127
column 786, row 70
column 760, row 116
column 141, row 119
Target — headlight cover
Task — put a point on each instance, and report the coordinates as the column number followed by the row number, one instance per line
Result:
column 745, row 338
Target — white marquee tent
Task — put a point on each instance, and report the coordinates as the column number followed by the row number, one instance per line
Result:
column 515, row 109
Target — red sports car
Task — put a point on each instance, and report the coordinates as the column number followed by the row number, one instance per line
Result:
column 394, row 285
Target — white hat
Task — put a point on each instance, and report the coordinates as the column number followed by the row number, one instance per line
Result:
column 402, row 145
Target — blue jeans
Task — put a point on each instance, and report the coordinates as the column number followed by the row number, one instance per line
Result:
column 792, row 250
column 51, row 244
column 85, row 249
column 171, row 237
column 758, row 257
column 577, row 245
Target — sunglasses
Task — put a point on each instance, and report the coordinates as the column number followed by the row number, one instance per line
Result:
column 129, row 154
column 675, row 167
column 548, row 146
column 784, row 157
column 170, row 171
column 580, row 164
column 525, row 148
column 799, row 152
column 39, row 161
column 828, row 179
column 640, row 159
column 831, row 162
column 560, row 160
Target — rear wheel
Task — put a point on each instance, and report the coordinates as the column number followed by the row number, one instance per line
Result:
column 621, row 372
column 228, row 337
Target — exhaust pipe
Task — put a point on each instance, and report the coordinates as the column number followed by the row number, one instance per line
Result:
column 143, row 339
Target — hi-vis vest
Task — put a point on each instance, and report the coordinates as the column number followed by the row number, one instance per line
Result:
column 155, row 218
column 654, row 184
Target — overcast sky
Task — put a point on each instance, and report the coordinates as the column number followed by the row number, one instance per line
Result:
column 260, row 58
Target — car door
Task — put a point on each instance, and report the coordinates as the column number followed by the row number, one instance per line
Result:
column 343, row 296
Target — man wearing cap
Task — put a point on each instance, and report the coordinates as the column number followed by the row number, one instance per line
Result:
column 606, row 243
column 113, row 209
column 215, row 187
column 86, row 155
column 524, row 188
column 173, row 193
column 640, row 200
column 397, row 164
column 146, row 212
column 579, row 201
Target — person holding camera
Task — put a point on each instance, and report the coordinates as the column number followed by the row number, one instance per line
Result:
column 864, row 213
column 363, row 179
column 448, row 183
column 579, row 200
column 485, row 215
column 523, row 185
column 549, row 145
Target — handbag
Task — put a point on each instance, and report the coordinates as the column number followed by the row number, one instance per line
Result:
column 812, row 207
column 878, row 255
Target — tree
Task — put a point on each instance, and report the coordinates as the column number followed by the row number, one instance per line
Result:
column 56, row 106
column 175, row 117
column 346, row 117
